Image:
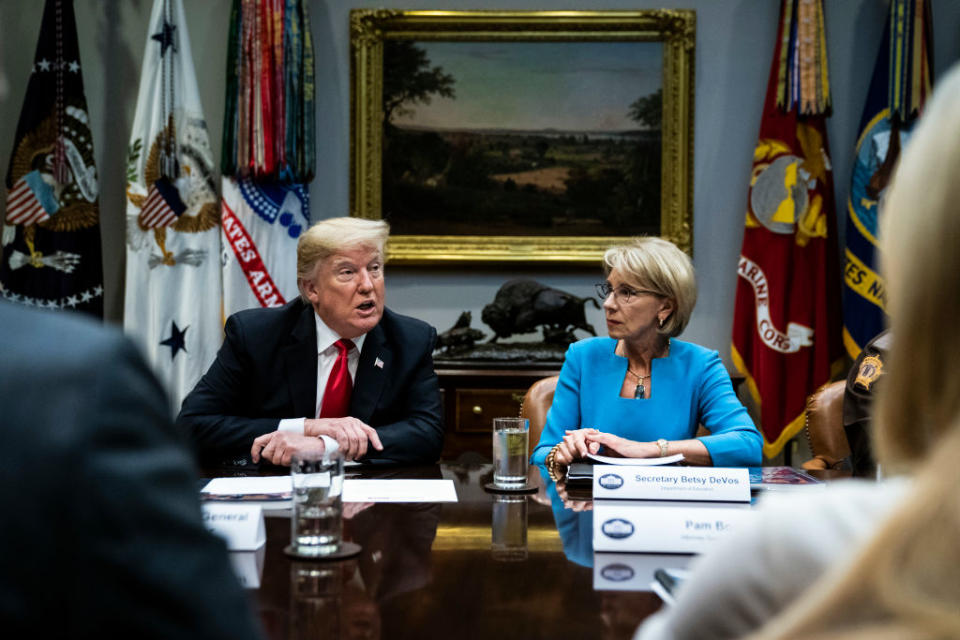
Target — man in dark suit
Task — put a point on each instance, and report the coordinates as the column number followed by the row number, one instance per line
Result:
column 102, row 532
column 333, row 369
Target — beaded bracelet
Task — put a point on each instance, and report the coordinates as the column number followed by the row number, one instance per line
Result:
column 551, row 464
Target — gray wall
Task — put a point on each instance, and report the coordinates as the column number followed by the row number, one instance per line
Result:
column 734, row 46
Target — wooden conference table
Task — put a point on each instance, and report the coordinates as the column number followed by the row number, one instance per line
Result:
column 429, row 570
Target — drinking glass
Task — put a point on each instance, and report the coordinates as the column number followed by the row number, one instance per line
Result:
column 510, row 443
column 509, row 528
column 317, row 522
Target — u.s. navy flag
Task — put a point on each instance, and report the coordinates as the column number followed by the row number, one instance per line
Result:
column 268, row 151
column 898, row 89
column 172, row 301
column 786, row 333
column 51, row 230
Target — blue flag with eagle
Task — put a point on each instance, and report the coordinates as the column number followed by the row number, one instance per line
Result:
column 899, row 87
column 50, row 256
column 172, row 300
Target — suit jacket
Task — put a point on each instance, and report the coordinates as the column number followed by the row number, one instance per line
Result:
column 266, row 370
column 103, row 533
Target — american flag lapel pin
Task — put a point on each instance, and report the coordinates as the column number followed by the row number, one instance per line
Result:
column 378, row 363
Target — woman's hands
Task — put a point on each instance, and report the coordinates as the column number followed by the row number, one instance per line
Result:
column 622, row 447
column 575, row 446
column 578, row 443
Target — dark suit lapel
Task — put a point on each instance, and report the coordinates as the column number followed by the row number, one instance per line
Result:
column 372, row 371
column 300, row 358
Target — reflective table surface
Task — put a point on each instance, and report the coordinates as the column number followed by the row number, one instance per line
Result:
column 487, row 566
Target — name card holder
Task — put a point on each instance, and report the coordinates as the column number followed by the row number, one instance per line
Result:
column 240, row 525
column 664, row 527
column 632, row 571
column 702, row 484
column 248, row 566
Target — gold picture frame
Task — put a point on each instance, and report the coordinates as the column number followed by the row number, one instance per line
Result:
column 371, row 30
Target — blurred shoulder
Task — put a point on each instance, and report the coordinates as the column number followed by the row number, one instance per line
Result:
column 32, row 338
column 842, row 509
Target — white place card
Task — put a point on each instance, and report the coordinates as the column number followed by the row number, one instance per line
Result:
column 248, row 566
column 240, row 525
column 664, row 527
column 633, row 571
column 718, row 484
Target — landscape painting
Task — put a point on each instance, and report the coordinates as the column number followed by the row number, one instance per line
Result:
column 534, row 136
column 522, row 138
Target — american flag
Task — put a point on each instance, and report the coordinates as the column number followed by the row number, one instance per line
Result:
column 162, row 207
column 23, row 206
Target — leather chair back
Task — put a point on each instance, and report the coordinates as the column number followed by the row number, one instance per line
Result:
column 824, row 427
column 535, row 405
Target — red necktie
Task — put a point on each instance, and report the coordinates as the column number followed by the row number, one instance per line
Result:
column 336, row 397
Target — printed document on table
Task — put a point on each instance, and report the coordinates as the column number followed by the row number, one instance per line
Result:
column 253, row 487
column 637, row 462
column 359, row 490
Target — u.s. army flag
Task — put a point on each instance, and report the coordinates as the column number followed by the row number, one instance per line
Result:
column 268, row 154
column 172, row 301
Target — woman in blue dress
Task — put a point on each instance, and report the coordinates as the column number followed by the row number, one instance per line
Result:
column 641, row 393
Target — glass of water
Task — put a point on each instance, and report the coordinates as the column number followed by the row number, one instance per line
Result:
column 510, row 441
column 317, row 523
column 509, row 528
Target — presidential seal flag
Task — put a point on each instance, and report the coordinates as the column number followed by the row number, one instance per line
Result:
column 50, row 239
column 172, row 299
column 899, row 87
column 786, row 332
column 268, row 151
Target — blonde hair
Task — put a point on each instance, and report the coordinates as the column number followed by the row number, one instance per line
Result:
column 920, row 242
column 904, row 583
column 329, row 236
column 660, row 266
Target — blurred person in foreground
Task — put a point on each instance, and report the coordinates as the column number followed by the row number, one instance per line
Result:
column 641, row 393
column 869, row 559
column 333, row 369
column 102, row 533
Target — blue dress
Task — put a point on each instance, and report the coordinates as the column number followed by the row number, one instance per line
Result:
column 688, row 387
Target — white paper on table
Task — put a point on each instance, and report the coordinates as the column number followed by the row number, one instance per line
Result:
column 253, row 487
column 637, row 462
column 358, row 490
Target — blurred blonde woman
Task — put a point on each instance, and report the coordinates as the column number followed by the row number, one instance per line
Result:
column 906, row 581
column 886, row 563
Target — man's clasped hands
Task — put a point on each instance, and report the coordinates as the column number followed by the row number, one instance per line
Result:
column 352, row 435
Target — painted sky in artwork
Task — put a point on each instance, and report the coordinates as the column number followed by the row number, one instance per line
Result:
column 568, row 86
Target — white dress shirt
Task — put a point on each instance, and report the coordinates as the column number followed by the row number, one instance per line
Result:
column 326, row 358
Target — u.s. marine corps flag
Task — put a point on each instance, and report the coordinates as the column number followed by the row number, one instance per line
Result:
column 172, row 301
column 899, row 87
column 50, row 241
column 268, row 151
column 786, row 329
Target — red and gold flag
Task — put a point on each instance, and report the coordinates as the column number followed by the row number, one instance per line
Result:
column 786, row 328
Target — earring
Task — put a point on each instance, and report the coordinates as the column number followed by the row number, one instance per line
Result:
column 661, row 323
